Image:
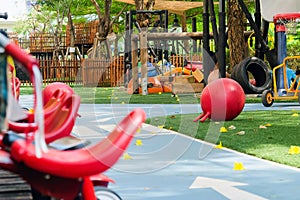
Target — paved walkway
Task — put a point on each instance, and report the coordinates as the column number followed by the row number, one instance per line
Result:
column 171, row 166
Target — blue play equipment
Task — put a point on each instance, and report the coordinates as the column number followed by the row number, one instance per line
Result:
column 151, row 70
column 286, row 82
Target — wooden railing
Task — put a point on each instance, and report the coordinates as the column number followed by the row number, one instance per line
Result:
column 84, row 33
column 41, row 43
column 88, row 72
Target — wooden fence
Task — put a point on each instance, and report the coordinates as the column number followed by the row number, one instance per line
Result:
column 88, row 72
column 61, row 70
column 103, row 72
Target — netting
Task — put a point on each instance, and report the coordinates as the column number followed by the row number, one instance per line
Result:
column 289, row 20
column 291, row 26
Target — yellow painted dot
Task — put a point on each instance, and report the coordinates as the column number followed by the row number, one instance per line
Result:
column 238, row 166
column 138, row 143
column 126, row 156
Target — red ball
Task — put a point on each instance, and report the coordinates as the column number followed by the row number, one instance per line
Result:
column 56, row 88
column 222, row 100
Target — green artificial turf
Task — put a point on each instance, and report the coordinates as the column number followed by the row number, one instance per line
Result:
column 267, row 134
column 118, row 95
column 272, row 142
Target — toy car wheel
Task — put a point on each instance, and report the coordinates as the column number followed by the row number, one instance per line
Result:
column 103, row 193
column 267, row 98
column 36, row 195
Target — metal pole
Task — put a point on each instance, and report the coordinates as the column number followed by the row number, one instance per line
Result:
column 127, row 58
column 281, row 54
column 194, row 29
column 166, row 52
column 213, row 23
column 205, row 26
column 206, row 46
column 258, row 51
column 222, row 40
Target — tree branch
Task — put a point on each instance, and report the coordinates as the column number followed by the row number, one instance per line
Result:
column 94, row 2
column 118, row 15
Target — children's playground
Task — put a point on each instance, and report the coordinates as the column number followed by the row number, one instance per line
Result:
column 54, row 146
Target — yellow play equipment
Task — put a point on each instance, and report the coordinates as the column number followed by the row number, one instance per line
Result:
column 291, row 87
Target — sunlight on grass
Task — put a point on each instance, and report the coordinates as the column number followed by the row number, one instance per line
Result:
column 266, row 134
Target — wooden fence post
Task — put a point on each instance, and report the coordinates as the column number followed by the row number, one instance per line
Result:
column 135, row 70
column 144, row 59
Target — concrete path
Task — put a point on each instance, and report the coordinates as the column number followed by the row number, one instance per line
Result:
column 171, row 166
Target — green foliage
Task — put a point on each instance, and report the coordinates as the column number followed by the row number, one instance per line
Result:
column 119, row 24
column 46, row 12
column 38, row 20
column 293, row 43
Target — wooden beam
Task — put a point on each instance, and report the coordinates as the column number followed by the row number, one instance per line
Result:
column 135, row 70
column 179, row 36
column 144, row 61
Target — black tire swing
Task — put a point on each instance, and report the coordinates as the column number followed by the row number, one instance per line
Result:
column 255, row 68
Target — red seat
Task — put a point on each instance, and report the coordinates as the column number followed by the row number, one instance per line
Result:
column 59, row 120
column 53, row 103
column 82, row 162
column 60, row 123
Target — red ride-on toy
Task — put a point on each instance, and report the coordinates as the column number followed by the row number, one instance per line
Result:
column 56, row 173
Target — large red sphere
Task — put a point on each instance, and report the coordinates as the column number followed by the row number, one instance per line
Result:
column 222, row 100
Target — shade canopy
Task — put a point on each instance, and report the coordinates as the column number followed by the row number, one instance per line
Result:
column 269, row 8
column 175, row 7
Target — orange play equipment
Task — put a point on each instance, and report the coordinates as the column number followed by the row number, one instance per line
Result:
column 154, row 86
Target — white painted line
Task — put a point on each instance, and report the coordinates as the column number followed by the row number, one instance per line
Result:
column 226, row 188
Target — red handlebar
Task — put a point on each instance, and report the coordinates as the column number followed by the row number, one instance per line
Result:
column 82, row 162
column 18, row 54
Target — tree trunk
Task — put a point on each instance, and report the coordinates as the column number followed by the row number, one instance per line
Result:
column 236, row 39
column 58, row 30
column 104, row 25
column 104, row 19
column 72, row 29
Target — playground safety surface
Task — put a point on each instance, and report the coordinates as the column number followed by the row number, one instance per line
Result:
column 165, row 165
column 169, row 165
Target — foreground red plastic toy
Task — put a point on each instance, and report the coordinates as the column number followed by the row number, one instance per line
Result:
column 60, row 114
column 61, row 174
column 69, row 174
